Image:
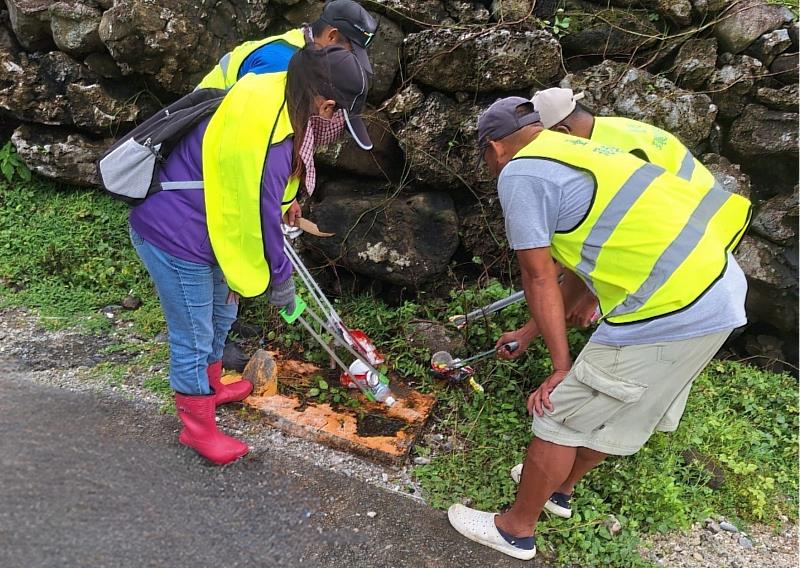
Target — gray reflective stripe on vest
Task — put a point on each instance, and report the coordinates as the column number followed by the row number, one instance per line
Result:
column 611, row 216
column 687, row 166
column 677, row 251
column 224, row 62
column 170, row 185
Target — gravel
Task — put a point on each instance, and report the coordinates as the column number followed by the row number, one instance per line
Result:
column 702, row 547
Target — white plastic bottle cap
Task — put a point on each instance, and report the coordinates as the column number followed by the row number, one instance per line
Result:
column 357, row 367
column 389, row 401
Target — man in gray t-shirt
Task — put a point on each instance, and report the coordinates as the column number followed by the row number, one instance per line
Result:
column 629, row 381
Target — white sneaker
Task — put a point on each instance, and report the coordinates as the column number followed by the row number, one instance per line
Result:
column 478, row 526
column 558, row 504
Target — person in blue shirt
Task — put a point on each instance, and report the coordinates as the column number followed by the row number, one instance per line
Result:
column 342, row 22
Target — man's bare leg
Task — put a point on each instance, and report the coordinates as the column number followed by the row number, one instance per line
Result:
column 585, row 459
column 547, row 466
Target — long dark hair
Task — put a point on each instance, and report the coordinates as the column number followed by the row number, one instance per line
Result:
column 307, row 74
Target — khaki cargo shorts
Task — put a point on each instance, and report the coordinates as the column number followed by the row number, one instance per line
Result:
column 614, row 398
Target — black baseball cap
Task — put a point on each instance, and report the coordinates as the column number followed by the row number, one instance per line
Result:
column 355, row 23
column 348, row 87
column 503, row 118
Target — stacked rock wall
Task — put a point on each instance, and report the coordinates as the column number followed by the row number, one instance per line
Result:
column 720, row 74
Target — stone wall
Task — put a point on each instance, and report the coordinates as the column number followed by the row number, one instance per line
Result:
column 720, row 74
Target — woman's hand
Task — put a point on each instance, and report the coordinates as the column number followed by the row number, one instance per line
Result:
column 540, row 398
column 293, row 213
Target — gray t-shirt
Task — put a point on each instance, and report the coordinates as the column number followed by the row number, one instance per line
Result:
column 540, row 197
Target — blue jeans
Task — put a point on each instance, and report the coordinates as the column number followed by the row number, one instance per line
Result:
column 193, row 297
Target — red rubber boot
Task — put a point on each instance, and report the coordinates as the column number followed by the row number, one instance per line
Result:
column 200, row 430
column 223, row 393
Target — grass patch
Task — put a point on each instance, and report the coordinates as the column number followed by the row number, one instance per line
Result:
column 65, row 252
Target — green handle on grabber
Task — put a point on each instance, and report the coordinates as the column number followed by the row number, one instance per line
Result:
column 299, row 308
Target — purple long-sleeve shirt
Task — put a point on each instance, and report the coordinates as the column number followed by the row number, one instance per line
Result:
column 175, row 220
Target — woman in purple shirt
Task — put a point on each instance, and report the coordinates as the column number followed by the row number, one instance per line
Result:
column 170, row 233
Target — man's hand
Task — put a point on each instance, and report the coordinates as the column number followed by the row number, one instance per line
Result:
column 523, row 336
column 584, row 312
column 293, row 213
column 540, row 398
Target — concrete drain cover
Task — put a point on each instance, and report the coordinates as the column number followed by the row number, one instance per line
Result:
column 372, row 429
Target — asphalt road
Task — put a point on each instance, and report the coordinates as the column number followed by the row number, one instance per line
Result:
column 86, row 480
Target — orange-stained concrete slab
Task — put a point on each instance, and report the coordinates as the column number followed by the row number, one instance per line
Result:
column 373, row 429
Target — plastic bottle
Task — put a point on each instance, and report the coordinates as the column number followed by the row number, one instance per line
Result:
column 373, row 383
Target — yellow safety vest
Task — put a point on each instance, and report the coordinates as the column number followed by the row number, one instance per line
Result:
column 252, row 117
column 651, row 243
column 657, row 146
column 225, row 74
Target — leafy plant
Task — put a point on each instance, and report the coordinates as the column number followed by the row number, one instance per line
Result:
column 11, row 164
column 560, row 25
column 323, row 392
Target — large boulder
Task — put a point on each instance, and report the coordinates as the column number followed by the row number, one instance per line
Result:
column 730, row 85
column 411, row 13
column 746, row 20
column 384, row 160
column 770, row 45
column 776, row 219
column 30, row 20
column 178, row 42
column 762, row 133
column 406, row 240
column 385, row 56
column 606, row 31
column 784, row 98
column 785, row 68
column 74, row 28
column 59, row 154
column 54, row 89
column 772, row 290
column 482, row 60
column 440, row 143
column 695, row 62
column 617, row 89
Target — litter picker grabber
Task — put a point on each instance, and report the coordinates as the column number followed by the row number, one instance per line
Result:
column 355, row 342
column 461, row 320
column 444, row 366
column 355, row 338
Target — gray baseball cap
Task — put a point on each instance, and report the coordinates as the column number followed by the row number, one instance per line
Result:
column 503, row 118
column 348, row 87
column 354, row 23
